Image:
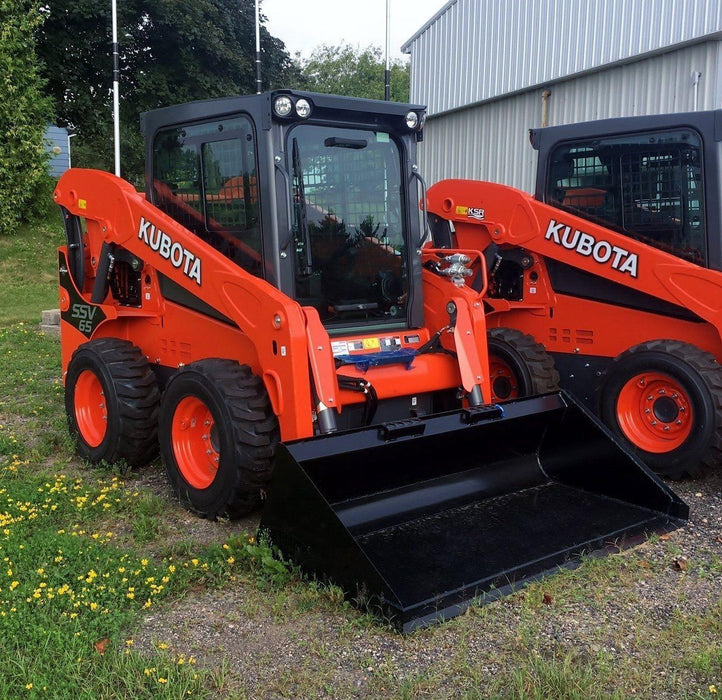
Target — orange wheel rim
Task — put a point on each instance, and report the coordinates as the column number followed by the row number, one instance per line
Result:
column 504, row 382
column 91, row 412
column 654, row 412
column 195, row 443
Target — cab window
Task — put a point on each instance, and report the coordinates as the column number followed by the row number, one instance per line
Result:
column 205, row 176
column 349, row 224
column 647, row 186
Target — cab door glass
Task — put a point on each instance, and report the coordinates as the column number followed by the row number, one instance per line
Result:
column 349, row 224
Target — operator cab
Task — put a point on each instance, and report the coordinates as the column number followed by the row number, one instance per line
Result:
column 315, row 193
column 645, row 177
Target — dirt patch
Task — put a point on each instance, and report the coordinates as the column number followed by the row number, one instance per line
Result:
column 178, row 523
column 287, row 643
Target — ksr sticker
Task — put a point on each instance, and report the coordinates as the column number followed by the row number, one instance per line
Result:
column 471, row 212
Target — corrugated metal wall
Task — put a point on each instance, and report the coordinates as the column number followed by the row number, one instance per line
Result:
column 475, row 50
column 490, row 141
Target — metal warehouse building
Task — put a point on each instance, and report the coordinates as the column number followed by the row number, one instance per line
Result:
column 489, row 70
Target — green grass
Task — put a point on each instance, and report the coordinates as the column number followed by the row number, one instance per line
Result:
column 86, row 553
column 69, row 593
column 72, row 585
column 28, row 268
column 76, row 569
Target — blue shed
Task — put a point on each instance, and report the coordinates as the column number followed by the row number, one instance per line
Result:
column 57, row 144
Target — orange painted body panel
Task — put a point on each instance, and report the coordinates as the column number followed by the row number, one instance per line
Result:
column 428, row 373
column 568, row 324
column 285, row 344
column 115, row 212
column 587, row 327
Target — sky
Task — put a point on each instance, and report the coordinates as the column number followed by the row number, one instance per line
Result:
column 305, row 24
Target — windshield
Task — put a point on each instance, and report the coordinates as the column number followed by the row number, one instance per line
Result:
column 348, row 224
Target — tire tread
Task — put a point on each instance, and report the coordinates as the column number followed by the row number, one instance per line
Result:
column 255, row 434
column 539, row 362
column 137, row 399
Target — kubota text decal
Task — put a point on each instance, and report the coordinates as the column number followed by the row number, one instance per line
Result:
column 587, row 245
column 171, row 250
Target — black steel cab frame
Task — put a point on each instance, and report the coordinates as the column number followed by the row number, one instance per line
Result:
column 317, row 194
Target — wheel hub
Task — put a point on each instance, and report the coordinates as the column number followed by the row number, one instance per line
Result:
column 195, row 441
column 91, row 412
column 665, row 409
column 654, row 412
column 504, row 384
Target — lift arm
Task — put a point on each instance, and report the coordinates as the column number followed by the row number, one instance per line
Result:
column 485, row 213
column 276, row 325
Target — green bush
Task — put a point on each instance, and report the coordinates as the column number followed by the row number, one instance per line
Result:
column 24, row 113
column 40, row 206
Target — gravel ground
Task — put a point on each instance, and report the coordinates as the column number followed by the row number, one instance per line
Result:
column 275, row 644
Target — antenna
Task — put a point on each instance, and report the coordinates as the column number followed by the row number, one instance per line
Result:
column 387, row 73
column 116, row 90
column 258, row 51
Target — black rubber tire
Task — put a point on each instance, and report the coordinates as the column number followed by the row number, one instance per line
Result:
column 531, row 367
column 246, row 432
column 132, row 401
column 699, row 374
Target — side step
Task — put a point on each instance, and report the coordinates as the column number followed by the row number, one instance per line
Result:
column 421, row 519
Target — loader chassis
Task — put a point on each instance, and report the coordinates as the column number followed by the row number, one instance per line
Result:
column 272, row 317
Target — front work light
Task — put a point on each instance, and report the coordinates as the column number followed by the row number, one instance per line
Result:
column 282, row 106
column 412, row 120
column 303, row 108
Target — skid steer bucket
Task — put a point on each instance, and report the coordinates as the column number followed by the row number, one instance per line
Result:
column 420, row 517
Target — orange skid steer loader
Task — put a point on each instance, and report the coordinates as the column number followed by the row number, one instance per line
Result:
column 268, row 313
column 615, row 267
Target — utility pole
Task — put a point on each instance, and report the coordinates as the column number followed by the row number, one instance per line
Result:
column 387, row 73
column 116, row 89
column 258, row 50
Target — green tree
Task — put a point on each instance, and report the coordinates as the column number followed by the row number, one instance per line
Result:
column 24, row 113
column 171, row 51
column 356, row 72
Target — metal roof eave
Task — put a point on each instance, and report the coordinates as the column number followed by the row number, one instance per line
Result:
column 405, row 47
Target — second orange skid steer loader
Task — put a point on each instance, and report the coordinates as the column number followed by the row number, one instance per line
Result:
column 269, row 314
column 615, row 267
